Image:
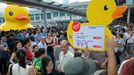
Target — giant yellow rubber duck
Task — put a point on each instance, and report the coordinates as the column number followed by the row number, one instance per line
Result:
column 16, row 18
column 99, row 12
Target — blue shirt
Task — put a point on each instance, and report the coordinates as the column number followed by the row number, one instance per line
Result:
column 37, row 37
column 44, row 34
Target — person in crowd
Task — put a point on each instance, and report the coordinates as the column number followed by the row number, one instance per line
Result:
column 27, row 45
column 78, row 53
column 4, row 42
column 129, row 45
column 80, row 65
column 20, row 68
column 40, row 54
column 50, row 46
column 71, row 49
column 125, row 34
column 120, row 43
column 33, row 42
column 44, row 32
column 127, row 67
column 100, row 59
column 13, row 58
column 21, row 35
column 48, row 68
column 35, row 48
column 4, row 59
column 55, row 38
column 57, row 50
column 42, row 43
column 85, row 66
column 37, row 36
column 27, row 34
column 65, row 55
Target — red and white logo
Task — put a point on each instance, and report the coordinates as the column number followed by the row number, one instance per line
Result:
column 76, row 26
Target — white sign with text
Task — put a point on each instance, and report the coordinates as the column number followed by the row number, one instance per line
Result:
column 93, row 36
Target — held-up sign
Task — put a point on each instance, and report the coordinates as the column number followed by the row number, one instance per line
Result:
column 91, row 36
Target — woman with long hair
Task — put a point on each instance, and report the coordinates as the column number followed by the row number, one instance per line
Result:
column 50, row 46
column 21, row 68
column 48, row 68
column 13, row 57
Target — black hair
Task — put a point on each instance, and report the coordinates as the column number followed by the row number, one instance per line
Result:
column 36, row 54
column 121, row 35
column 45, row 62
column 41, row 51
column 32, row 38
column 123, row 30
column 15, row 44
column 21, row 55
column 114, row 33
column 77, row 54
column 26, row 40
column 34, row 46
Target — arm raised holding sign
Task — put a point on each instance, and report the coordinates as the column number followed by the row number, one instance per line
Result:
column 110, row 43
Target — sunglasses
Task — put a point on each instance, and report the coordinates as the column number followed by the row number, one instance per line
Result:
column 49, row 35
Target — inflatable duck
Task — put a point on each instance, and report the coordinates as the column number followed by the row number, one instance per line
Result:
column 16, row 18
column 99, row 13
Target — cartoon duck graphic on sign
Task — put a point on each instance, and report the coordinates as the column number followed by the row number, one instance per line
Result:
column 99, row 13
column 16, row 18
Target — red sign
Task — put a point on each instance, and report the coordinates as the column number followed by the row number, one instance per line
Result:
column 97, row 46
column 97, row 37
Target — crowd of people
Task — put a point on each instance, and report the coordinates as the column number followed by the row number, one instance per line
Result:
column 46, row 51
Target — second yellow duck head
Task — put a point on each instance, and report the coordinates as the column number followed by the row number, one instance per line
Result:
column 103, row 12
column 15, row 13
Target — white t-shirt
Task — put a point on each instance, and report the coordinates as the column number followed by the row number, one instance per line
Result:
column 16, row 68
column 33, row 43
column 130, row 40
column 64, row 58
column 125, row 36
column 41, row 45
column 71, row 49
column 120, row 42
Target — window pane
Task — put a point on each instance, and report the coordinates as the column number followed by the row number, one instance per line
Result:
column 37, row 16
column 48, row 15
column 42, row 16
column 55, row 14
column 32, row 16
column 62, row 14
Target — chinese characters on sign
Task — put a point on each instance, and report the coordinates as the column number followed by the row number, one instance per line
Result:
column 91, row 36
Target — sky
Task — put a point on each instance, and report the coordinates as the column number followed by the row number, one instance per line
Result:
column 70, row 1
column 2, row 5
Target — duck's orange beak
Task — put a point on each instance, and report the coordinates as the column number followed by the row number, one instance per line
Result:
column 21, row 17
column 119, row 12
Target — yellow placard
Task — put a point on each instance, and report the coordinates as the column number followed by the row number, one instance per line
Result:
column 99, row 13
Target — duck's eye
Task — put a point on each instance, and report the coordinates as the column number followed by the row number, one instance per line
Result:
column 11, row 13
column 106, row 7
